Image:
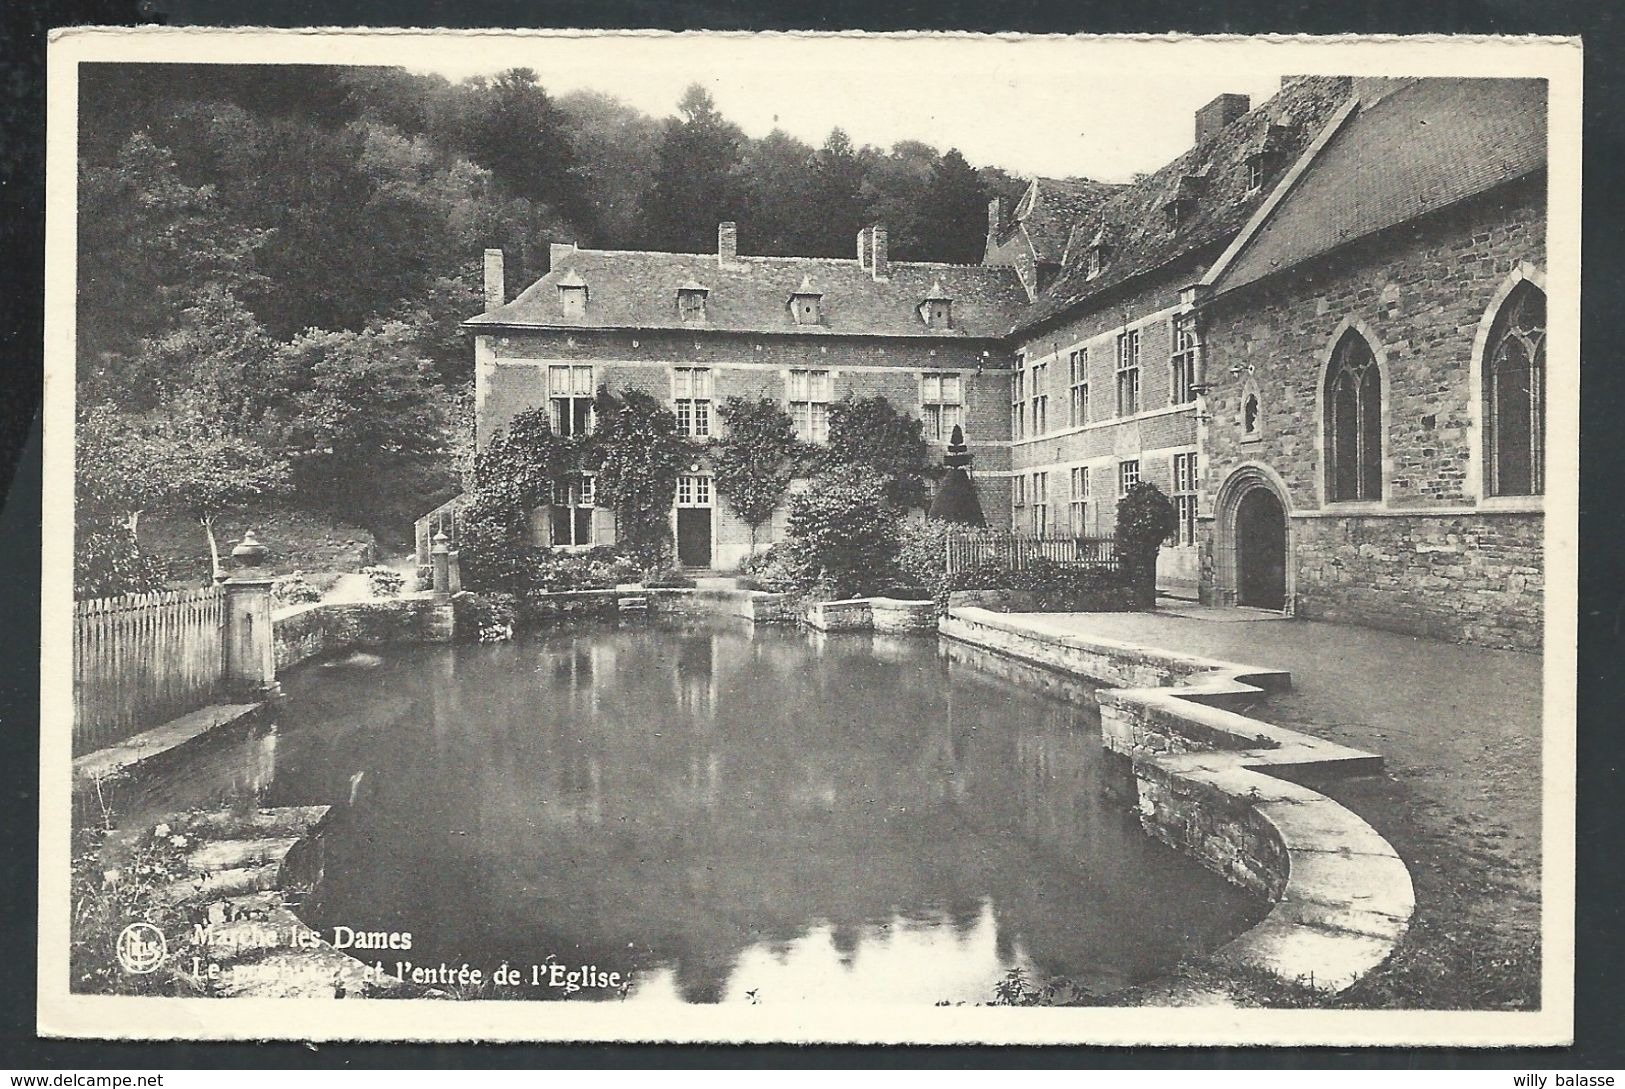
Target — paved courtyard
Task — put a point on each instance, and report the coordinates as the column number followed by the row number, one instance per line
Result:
column 1460, row 727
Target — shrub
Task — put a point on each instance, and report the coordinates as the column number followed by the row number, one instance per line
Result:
column 294, row 590
column 594, row 569
column 843, row 538
column 872, row 433
column 922, row 555
column 1056, row 587
column 775, row 571
column 108, row 562
column 669, row 579
column 1145, row 518
column 483, row 618
column 385, row 581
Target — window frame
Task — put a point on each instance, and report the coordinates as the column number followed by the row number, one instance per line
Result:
column 939, row 412
column 809, row 413
column 581, row 500
column 1127, row 373
column 1078, row 505
column 1352, row 422
column 695, row 414
column 1183, row 477
column 1534, row 408
column 1183, row 359
column 1128, row 475
column 562, row 407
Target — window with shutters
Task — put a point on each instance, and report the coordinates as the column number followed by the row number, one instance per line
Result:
column 570, row 506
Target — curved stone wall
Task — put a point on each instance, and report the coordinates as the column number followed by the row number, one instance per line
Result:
column 1207, row 780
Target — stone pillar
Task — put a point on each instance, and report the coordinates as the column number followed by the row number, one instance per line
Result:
column 440, row 556
column 454, row 573
column 250, row 650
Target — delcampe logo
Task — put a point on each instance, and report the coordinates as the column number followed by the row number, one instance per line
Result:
column 141, row 948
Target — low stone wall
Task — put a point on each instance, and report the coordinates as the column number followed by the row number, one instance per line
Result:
column 572, row 603
column 882, row 614
column 1114, row 599
column 305, row 631
column 1343, row 897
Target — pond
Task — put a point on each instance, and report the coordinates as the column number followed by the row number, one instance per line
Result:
column 719, row 814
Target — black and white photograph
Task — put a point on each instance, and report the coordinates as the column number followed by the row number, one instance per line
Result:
column 922, row 538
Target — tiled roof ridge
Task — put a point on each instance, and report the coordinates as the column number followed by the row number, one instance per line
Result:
column 1123, row 210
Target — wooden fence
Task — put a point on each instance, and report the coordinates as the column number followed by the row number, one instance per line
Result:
column 968, row 549
column 142, row 659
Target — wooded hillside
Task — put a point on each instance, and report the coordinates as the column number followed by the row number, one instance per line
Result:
column 273, row 262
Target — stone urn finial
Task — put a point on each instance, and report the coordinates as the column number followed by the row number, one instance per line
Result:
column 249, row 551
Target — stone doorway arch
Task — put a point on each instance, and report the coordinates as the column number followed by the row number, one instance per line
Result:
column 1253, row 554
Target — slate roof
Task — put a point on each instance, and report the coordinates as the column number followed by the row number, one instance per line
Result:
column 1132, row 218
column 633, row 289
column 1425, row 146
column 1049, row 208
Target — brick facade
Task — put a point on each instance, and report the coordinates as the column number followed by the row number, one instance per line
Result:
column 511, row 374
column 1102, row 442
column 1433, row 556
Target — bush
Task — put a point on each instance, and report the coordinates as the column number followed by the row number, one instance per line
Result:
column 294, row 590
column 1145, row 518
column 843, row 534
column 922, row 559
column 385, row 581
column 669, row 579
column 108, row 562
column 483, row 618
column 1056, row 587
column 594, row 569
column 774, row 571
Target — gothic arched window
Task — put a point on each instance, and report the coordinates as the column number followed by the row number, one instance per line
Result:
column 1515, row 394
column 1353, row 422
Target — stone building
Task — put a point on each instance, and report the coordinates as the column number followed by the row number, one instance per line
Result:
column 1104, row 389
column 695, row 329
column 1373, row 424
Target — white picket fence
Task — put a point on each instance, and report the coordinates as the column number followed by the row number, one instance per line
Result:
column 142, row 659
column 967, row 549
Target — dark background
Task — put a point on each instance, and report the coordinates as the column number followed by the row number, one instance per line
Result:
column 1599, row 961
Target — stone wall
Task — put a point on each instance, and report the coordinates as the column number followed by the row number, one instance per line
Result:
column 1469, row 578
column 1434, row 556
column 305, row 631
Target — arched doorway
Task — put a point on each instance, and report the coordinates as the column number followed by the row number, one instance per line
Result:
column 1252, row 540
column 1260, row 550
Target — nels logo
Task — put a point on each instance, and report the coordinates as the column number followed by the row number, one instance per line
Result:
column 141, row 948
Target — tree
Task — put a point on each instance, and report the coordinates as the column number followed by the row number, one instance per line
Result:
column 869, row 432
column 774, row 182
column 1145, row 518
column 361, row 419
column 894, row 193
column 836, row 209
column 843, row 532
column 150, row 245
column 175, row 458
column 640, row 453
column 515, row 130
column 614, row 171
column 756, row 458
column 957, row 204
column 693, row 186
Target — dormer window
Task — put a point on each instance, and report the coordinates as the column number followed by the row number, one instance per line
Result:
column 573, row 295
column 936, row 309
column 691, row 301
column 1255, row 173
column 806, row 304
column 1095, row 262
column 1176, row 213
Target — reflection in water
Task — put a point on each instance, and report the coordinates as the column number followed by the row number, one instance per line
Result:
column 723, row 813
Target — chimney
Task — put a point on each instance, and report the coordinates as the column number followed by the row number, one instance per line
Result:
column 494, row 294
column 993, row 223
column 863, row 248
column 880, row 266
column 1219, row 113
column 727, row 243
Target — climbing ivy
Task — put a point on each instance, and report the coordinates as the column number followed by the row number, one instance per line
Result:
column 639, row 455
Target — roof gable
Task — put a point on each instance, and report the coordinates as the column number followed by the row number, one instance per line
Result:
column 1423, row 147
